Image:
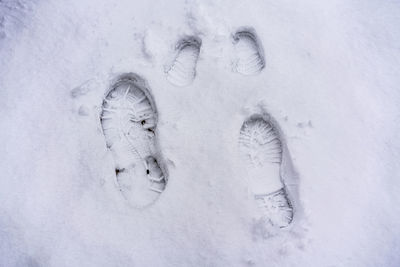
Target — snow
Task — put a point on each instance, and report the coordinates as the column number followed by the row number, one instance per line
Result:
column 330, row 83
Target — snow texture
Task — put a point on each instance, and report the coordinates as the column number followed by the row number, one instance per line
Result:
column 324, row 75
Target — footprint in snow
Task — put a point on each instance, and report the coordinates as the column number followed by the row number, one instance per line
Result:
column 129, row 120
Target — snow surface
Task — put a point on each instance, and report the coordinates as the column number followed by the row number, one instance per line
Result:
column 331, row 82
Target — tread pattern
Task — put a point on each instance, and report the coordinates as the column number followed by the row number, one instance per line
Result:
column 260, row 144
column 129, row 120
column 249, row 56
column 259, row 140
column 183, row 69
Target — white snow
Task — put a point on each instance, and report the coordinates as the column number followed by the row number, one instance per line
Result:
column 331, row 82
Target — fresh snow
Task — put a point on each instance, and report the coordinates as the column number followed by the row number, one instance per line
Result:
column 326, row 74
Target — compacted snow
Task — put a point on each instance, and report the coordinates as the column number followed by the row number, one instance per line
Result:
column 200, row 133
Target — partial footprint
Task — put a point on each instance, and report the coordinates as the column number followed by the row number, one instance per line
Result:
column 261, row 148
column 129, row 119
column 183, row 69
column 249, row 52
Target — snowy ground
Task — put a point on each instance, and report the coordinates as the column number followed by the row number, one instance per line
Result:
column 331, row 82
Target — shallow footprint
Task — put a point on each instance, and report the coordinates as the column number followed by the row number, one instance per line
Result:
column 183, row 69
column 261, row 148
column 249, row 53
column 129, row 120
